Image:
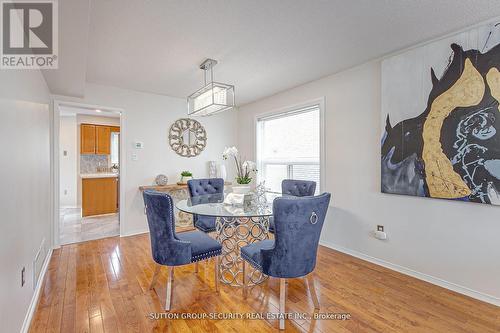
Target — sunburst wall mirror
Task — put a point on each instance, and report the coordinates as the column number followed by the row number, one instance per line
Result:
column 187, row 137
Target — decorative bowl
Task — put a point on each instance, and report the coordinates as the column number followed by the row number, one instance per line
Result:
column 161, row 180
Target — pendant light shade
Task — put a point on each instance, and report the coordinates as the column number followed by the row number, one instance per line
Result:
column 213, row 97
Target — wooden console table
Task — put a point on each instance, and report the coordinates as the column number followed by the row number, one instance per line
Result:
column 183, row 221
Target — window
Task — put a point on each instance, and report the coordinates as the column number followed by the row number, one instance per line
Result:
column 288, row 147
column 115, row 148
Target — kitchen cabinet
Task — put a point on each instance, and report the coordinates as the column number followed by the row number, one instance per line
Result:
column 103, row 140
column 96, row 139
column 87, row 139
column 99, row 196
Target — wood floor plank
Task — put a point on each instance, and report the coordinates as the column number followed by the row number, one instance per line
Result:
column 103, row 286
column 57, row 304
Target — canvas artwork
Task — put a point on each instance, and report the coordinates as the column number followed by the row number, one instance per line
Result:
column 441, row 119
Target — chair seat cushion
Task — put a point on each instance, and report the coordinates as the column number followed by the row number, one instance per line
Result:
column 252, row 254
column 205, row 223
column 202, row 246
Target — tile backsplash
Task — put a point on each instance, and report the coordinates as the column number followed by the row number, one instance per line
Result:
column 90, row 163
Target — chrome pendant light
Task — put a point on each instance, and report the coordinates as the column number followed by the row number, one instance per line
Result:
column 213, row 97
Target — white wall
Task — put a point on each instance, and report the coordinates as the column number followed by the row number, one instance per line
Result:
column 433, row 239
column 97, row 120
column 68, row 164
column 147, row 118
column 24, row 190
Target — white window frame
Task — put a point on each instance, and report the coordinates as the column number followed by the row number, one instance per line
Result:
column 290, row 110
column 115, row 153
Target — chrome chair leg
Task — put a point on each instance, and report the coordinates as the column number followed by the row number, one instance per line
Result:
column 168, row 301
column 216, row 277
column 244, row 279
column 282, row 302
column 155, row 277
column 312, row 290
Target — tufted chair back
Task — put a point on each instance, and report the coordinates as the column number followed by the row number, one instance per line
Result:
column 166, row 248
column 198, row 187
column 298, row 188
column 205, row 186
column 298, row 223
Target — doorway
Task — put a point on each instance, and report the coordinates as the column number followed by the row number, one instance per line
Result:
column 87, row 156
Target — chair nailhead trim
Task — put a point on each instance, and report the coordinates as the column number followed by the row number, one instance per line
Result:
column 206, row 255
column 251, row 261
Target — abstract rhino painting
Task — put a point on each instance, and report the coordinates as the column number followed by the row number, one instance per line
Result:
column 441, row 119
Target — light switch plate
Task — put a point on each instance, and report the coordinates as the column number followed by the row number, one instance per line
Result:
column 134, row 157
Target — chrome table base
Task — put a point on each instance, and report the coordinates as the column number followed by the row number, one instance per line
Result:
column 234, row 233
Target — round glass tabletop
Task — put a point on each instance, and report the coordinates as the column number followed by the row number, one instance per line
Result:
column 213, row 205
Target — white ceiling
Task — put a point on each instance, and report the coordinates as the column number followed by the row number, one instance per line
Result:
column 263, row 46
column 70, row 78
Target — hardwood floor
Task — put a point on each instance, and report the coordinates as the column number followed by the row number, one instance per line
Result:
column 102, row 285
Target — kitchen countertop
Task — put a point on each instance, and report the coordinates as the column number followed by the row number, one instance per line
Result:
column 99, row 175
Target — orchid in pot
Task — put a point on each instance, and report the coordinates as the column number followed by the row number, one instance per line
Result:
column 244, row 170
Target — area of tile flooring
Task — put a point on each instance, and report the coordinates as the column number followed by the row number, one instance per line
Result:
column 73, row 228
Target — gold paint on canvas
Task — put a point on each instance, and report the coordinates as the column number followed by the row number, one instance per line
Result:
column 493, row 79
column 442, row 180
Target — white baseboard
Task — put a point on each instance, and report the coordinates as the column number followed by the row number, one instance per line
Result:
column 421, row 276
column 36, row 295
column 135, row 232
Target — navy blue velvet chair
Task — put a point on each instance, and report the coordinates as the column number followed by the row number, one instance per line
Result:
column 292, row 253
column 199, row 187
column 297, row 188
column 171, row 249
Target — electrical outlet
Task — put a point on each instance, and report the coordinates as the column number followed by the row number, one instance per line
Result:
column 23, row 277
column 65, row 192
column 380, row 228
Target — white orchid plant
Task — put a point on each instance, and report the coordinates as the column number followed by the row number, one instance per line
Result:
column 243, row 169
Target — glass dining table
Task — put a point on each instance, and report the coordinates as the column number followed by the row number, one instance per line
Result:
column 236, row 226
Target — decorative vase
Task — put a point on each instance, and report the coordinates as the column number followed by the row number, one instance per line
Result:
column 212, row 169
column 241, row 188
column 222, row 173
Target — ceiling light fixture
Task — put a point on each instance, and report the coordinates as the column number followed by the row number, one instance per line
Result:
column 98, row 111
column 213, row 97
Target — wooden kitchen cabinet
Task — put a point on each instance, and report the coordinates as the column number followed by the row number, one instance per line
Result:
column 99, row 196
column 87, row 139
column 96, row 139
column 103, row 140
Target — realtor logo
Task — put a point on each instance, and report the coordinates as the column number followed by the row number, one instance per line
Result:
column 29, row 34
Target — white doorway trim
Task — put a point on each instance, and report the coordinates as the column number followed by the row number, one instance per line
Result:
column 55, row 115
